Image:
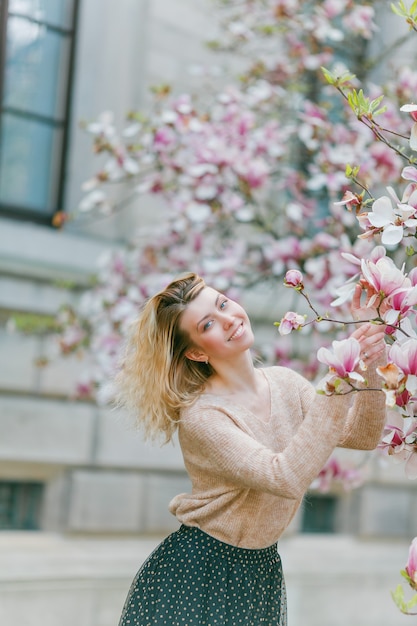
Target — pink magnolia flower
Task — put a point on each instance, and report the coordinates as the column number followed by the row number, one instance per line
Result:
column 412, row 109
column 409, row 197
column 293, row 278
column 343, row 358
column 404, row 355
column 290, row 321
column 391, row 221
column 412, row 275
column 409, row 173
column 365, row 225
column 399, row 441
column 393, row 383
column 400, row 374
column 395, row 444
column 400, row 304
column 411, row 567
column 374, row 254
column 384, row 276
column 350, row 200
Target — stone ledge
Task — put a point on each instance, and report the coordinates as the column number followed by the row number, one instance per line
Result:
column 37, row 252
column 47, row 431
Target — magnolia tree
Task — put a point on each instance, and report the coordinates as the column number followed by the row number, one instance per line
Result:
column 302, row 171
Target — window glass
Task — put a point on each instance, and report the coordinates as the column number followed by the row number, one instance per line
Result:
column 36, row 68
column 34, row 107
column 319, row 514
column 55, row 12
column 20, row 505
column 29, row 154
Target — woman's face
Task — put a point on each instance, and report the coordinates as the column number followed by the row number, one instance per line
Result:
column 218, row 327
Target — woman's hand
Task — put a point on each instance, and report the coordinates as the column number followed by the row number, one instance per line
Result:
column 370, row 335
column 371, row 339
column 364, row 311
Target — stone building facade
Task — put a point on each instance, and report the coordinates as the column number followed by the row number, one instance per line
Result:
column 66, row 465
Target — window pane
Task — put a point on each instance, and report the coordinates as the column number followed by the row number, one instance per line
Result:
column 20, row 505
column 319, row 514
column 56, row 12
column 29, row 164
column 6, row 505
column 36, row 68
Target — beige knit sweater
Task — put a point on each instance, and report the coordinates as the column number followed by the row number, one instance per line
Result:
column 249, row 476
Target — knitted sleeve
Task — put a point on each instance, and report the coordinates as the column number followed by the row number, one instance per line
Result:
column 214, row 445
column 366, row 418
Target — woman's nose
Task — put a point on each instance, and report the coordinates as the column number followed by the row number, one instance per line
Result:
column 227, row 321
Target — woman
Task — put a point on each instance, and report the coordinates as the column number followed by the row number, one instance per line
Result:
column 252, row 440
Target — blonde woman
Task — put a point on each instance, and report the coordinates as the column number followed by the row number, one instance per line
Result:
column 252, row 441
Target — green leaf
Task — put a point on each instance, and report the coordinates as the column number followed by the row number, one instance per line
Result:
column 352, row 172
column 379, row 111
column 400, row 10
column 413, row 602
column 398, row 597
column 337, row 81
column 328, row 76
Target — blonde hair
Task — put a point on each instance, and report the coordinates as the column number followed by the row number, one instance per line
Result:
column 156, row 378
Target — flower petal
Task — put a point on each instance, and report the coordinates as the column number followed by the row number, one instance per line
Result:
column 413, row 137
column 392, row 235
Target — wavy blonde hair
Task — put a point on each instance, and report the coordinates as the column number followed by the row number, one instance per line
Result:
column 156, row 378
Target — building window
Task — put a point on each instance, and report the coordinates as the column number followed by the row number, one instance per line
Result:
column 319, row 514
column 36, row 61
column 20, row 505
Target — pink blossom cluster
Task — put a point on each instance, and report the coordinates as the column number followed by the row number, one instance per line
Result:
column 395, row 300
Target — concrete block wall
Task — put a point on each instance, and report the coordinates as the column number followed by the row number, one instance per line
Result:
column 99, row 475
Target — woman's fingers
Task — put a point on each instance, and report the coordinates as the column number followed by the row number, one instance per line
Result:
column 356, row 299
column 371, row 339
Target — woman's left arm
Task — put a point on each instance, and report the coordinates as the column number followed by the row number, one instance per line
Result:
column 367, row 415
column 366, row 419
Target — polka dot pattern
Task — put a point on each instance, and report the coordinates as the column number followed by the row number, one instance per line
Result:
column 193, row 579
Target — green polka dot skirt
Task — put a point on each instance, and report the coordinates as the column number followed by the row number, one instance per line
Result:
column 192, row 579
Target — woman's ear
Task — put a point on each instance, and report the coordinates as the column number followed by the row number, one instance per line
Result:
column 196, row 355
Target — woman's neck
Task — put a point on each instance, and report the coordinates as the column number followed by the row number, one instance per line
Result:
column 233, row 378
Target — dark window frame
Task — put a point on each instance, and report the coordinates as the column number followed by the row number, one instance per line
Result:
column 17, row 212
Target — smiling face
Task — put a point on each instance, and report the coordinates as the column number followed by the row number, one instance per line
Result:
column 218, row 328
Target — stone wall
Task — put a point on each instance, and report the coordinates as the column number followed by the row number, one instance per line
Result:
column 99, row 475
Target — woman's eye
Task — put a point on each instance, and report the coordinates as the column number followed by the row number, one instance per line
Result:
column 223, row 304
column 207, row 325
